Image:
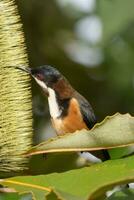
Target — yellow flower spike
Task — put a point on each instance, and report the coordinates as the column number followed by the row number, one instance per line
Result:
column 15, row 95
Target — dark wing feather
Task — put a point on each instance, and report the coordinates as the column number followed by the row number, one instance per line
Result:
column 86, row 110
column 90, row 120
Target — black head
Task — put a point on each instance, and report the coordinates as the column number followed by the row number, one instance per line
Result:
column 47, row 74
column 49, row 77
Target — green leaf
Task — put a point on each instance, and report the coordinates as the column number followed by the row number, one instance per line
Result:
column 120, row 152
column 9, row 196
column 114, row 131
column 16, row 196
column 116, row 15
column 89, row 182
column 126, row 194
column 60, row 195
column 26, row 196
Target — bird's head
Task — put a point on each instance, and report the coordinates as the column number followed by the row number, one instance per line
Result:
column 48, row 77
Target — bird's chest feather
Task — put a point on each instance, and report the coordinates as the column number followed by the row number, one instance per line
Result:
column 71, row 122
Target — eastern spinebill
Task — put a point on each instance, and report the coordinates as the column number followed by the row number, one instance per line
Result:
column 69, row 110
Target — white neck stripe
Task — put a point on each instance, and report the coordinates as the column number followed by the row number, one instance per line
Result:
column 53, row 105
column 52, row 101
column 41, row 83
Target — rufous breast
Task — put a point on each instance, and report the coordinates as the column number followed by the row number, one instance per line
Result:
column 72, row 122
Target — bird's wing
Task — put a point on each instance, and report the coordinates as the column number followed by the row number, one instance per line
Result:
column 90, row 120
column 87, row 111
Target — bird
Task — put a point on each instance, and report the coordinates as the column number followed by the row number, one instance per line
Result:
column 69, row 110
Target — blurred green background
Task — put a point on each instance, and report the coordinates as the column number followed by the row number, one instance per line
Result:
column 91, row 42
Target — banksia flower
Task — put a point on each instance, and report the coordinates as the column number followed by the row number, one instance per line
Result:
column 15, row 96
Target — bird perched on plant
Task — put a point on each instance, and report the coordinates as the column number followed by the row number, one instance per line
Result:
column 69, row 110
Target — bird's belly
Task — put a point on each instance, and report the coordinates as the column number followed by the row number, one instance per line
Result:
column 72, row 122
column 67, row 126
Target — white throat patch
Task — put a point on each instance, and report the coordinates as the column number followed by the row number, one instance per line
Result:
column 53, row 105
column 41, row 83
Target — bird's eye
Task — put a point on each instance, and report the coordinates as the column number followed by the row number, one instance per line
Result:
column 40, row 77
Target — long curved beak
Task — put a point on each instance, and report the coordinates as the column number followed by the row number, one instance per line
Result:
column 26, row 69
